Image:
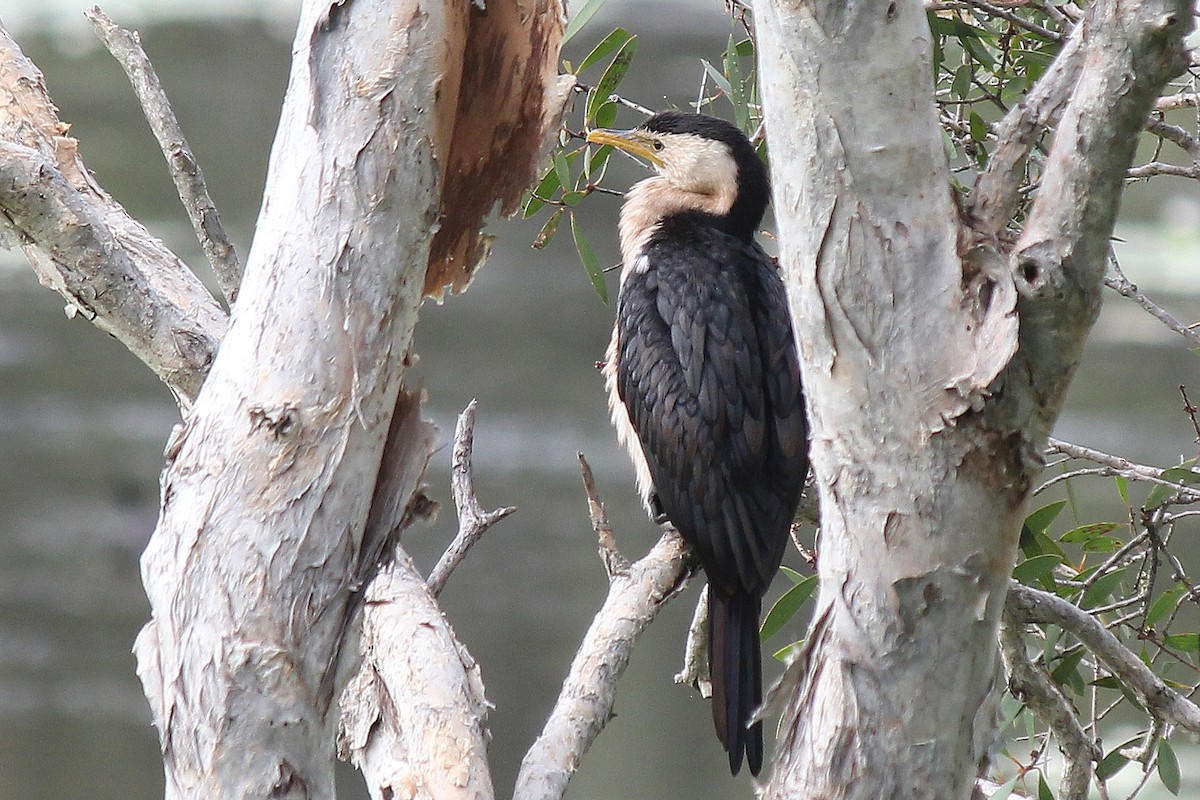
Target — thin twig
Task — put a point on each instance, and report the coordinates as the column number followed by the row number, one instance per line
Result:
column 615, row 564
column 584, row 88
column 1190, row 410
column 1155, row 168
column 126, row 48
column 473, row 521
column 1117, row 281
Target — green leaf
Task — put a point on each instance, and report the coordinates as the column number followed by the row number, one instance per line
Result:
column 1044, row 792
column 593, row 165
column 1110, row 765
column 1100, row 591
column 548, row 230
column 606, row 116
column 1040, row 520
column 961, row 84
column 792, row 575
column 561, row 168
column 547, row 186
column 611, row 79
column 1188, row 642
column 1102, row 544
column 1067, row 666
column 719, row 79
column 610, row 43
column 786, row 607
column 745, row 48
column 580, row 19
column 590, row 262
column 1032, row 569
column 1181, row 474
column 939, row 26
column 1005, row 791
column 1084, row 533
column 733, row 68
column 1165, row 604
column 1168, row 767
column 783, row 654
column 979, row 128
column 1122, row 488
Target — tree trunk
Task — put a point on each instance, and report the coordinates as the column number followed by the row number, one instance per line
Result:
column 926, row 421
column 266, row 496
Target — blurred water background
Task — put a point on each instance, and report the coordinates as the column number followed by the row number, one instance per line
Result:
column 82, row 423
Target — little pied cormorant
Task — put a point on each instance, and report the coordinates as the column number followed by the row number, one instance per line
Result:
column 704, row 387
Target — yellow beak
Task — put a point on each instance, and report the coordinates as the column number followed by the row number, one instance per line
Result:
column 635, row 142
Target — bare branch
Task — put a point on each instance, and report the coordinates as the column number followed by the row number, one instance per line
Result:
column 86, row 247
column 126, row 47
column 134, row 296
column 473, row 521
column 1179, row 100
column 1155, row 168
column 1044, row 699
column 1174, row 134
column 585, row 703
column 994, row 198
column 1028, row 605
column 1020, row 22
column 1115, row 465
column 1117, row 281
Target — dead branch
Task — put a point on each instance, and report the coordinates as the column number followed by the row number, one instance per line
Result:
column 473, row 521
column 1117, row 281
column 636, row 593
column 126, row 48
column 614, row 563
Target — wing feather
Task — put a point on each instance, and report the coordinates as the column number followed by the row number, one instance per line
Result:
column 709, row 377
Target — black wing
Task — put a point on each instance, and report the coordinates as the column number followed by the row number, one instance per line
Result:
column 709, row 376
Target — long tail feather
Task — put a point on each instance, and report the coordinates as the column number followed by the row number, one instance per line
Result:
column 735, row 667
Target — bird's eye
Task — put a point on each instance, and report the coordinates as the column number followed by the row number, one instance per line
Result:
column 657, row 145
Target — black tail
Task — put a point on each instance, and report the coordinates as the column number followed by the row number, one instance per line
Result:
column 735, row 666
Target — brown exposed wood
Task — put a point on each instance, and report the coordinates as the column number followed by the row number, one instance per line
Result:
column 497, row 99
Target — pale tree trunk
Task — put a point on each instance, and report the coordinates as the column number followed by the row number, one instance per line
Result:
column 303, row 456
column 927, row 421
column 269, row 481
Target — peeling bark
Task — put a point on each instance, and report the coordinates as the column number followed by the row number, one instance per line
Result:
column 498, row 100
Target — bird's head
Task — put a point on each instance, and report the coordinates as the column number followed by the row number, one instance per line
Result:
column 700, row 155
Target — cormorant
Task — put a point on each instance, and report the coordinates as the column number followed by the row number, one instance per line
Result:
column 704, row 386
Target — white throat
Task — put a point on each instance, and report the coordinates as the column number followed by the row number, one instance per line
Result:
column 649, row 201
